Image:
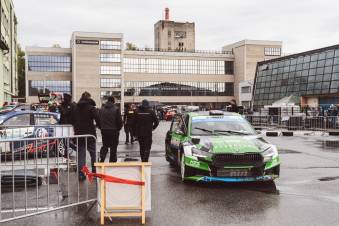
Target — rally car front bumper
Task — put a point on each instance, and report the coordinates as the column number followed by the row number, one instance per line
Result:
column 205, row 171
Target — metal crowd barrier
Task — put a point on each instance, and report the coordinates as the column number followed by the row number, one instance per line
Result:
column 40, row 175
column 30, row 131
column 313, row 123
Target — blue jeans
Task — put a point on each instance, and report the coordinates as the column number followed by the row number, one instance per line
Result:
column 91, row 148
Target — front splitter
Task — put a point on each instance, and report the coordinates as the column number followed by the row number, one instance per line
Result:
column 232, row 179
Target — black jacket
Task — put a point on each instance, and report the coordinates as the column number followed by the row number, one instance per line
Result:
column 83, row 116
column 110, row 117
column 66, row 110
column 145, row 121
column 129, row 118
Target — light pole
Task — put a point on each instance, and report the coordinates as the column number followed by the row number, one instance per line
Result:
column 45, row 77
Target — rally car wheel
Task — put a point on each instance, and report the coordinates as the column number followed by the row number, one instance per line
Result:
column 185, row 171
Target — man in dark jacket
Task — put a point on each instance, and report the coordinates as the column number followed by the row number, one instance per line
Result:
column 83, row 118
column 128, row 123
column 66, row 108
column 111, row 124
column 145, row 122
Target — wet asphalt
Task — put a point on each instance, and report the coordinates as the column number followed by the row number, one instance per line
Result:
column 307, row 192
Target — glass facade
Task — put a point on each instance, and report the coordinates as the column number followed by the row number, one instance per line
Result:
column 110, row 57
column 172, row 66
column 107, row 44
column 179, row 89
column 311, row 73
column 110, row 83
column 44, row 63
column 105, row 94
column 35, row 87
column 110, row 70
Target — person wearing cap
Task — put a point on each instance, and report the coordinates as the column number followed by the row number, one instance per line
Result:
column 145, row 121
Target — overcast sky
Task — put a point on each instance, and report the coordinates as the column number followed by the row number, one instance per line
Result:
column 300, row 24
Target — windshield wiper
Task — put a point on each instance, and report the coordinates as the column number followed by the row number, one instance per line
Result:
column 231, row 131
column 202, row 129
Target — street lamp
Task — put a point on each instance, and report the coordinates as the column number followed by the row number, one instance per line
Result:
column 45, row 77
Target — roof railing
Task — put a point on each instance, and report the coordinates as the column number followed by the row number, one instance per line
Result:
column 181, row 50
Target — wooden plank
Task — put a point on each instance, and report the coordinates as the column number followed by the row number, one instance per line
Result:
column 103, row 199
column 123, row 208
column 118, row 164
column 123, row 214
column 143, row 217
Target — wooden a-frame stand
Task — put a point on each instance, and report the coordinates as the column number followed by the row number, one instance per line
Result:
column 138, row 211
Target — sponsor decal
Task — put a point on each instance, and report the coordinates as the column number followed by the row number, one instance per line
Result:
column 87, row 42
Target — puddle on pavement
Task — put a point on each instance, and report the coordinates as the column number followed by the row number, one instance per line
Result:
column 288, row 151
column 268, row 187
column 326, row 145
column 328, row 178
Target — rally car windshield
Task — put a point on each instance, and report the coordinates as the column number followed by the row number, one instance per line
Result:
column 226, row 125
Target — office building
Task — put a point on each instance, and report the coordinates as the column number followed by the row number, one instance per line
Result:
column 8, row 52
column 313, row 76
column 246, row 55
column 99, row 64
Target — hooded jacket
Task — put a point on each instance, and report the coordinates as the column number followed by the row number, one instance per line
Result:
column 83, row 117
column 110, row 117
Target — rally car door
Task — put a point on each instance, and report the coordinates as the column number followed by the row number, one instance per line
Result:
column 178, row 133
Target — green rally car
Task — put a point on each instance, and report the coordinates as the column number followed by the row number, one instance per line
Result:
column 220, row 146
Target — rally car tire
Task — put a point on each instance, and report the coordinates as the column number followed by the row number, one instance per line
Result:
column 185, row 171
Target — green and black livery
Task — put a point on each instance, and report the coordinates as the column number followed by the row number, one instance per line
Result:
column 220, row 146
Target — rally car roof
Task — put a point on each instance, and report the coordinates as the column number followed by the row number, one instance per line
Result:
column 208, row 113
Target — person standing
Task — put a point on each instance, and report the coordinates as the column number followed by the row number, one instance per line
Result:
column 66, row 108
column 111, row 124
column 83, row 118
column 145, row 122
column 128, row 123
column 234, row 106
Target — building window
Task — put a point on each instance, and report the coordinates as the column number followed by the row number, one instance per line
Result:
column 270, row 51
column 46, row 63
column 246, row 89
column 229, row 67
column 110, row 83
column 110, row 57
column 174, row 66
column 110, row 45
column 105, row 94
column 246, row 104
column 143, row 88
column 40, row 86
column 110, row 70
column 169, row 33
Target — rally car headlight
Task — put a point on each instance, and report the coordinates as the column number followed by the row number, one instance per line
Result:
column 199, row 153
column 270, row 153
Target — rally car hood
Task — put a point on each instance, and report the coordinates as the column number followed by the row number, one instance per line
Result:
column 232, row 144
